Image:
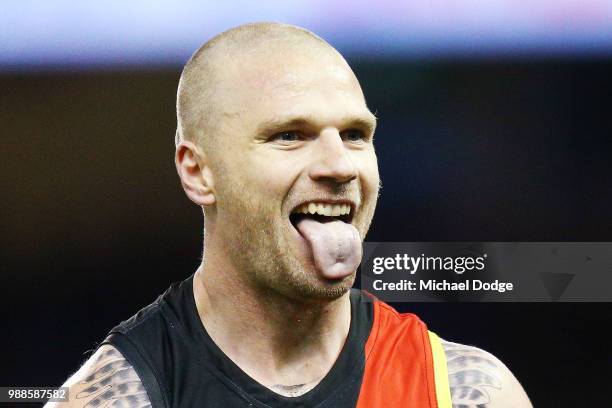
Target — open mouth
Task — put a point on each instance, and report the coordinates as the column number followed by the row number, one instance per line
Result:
column 328, row 238
column 322, row 212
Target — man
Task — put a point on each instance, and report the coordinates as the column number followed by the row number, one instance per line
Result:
column 274, row 142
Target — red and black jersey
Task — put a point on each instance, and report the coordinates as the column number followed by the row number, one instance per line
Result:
column 387, row 360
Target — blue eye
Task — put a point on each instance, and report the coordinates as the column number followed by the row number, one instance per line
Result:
column 287, row 137
column 353, row 135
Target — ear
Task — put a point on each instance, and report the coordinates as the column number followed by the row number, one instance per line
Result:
column 193, row 169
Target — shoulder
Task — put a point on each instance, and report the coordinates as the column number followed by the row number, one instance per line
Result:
column 479, row 379
column 106, row 379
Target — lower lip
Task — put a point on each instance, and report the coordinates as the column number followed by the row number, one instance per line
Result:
column 303, row 246
column 299, row 236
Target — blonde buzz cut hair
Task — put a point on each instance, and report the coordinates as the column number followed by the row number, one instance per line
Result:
column 196, row 111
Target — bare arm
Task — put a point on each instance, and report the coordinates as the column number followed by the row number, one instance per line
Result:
column 479, row 380
column 106, row 380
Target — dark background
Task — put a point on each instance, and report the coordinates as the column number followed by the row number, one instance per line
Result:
column 95, row 224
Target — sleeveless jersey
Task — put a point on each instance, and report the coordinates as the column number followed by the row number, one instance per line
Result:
column 388, row 360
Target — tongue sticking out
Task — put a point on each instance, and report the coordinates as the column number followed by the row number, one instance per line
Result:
column 336, row 246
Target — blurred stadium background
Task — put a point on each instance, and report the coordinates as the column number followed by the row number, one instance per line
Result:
column 495, row 125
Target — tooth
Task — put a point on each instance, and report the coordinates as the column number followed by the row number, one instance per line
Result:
column 348, row 209
column 312, row 208
column 342, row 210
column 329, row 209
column 320, row 209
column 336, row 210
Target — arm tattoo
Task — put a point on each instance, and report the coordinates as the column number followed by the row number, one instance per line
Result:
column 113, row 383
column 471, row 373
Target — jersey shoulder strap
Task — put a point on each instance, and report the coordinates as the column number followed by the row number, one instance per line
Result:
column 400, row 366
column 142, row 367
column 443, row 394
column 145, row 340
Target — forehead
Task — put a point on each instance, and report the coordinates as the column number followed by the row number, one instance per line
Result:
column 266, row 86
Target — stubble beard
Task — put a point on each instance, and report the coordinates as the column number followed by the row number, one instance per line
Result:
column 261, row 250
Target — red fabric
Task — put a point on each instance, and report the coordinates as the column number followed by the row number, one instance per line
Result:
column 399, row 364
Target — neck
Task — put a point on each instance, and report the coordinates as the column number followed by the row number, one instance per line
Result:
column 278, row 341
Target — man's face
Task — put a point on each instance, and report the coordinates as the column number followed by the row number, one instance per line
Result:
column 293, row 131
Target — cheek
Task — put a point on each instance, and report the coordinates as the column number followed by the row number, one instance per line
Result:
column 369, row 176
column 273, row 174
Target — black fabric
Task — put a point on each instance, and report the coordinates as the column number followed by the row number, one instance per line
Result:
column 180, row 365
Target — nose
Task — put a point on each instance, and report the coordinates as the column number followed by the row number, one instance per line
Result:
column 333, row 161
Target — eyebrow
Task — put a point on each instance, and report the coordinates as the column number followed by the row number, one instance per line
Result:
column 365, row 122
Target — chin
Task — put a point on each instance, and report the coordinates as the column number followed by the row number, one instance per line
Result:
column 320, row 289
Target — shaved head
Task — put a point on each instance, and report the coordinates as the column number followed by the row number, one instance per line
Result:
column 222, row 64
